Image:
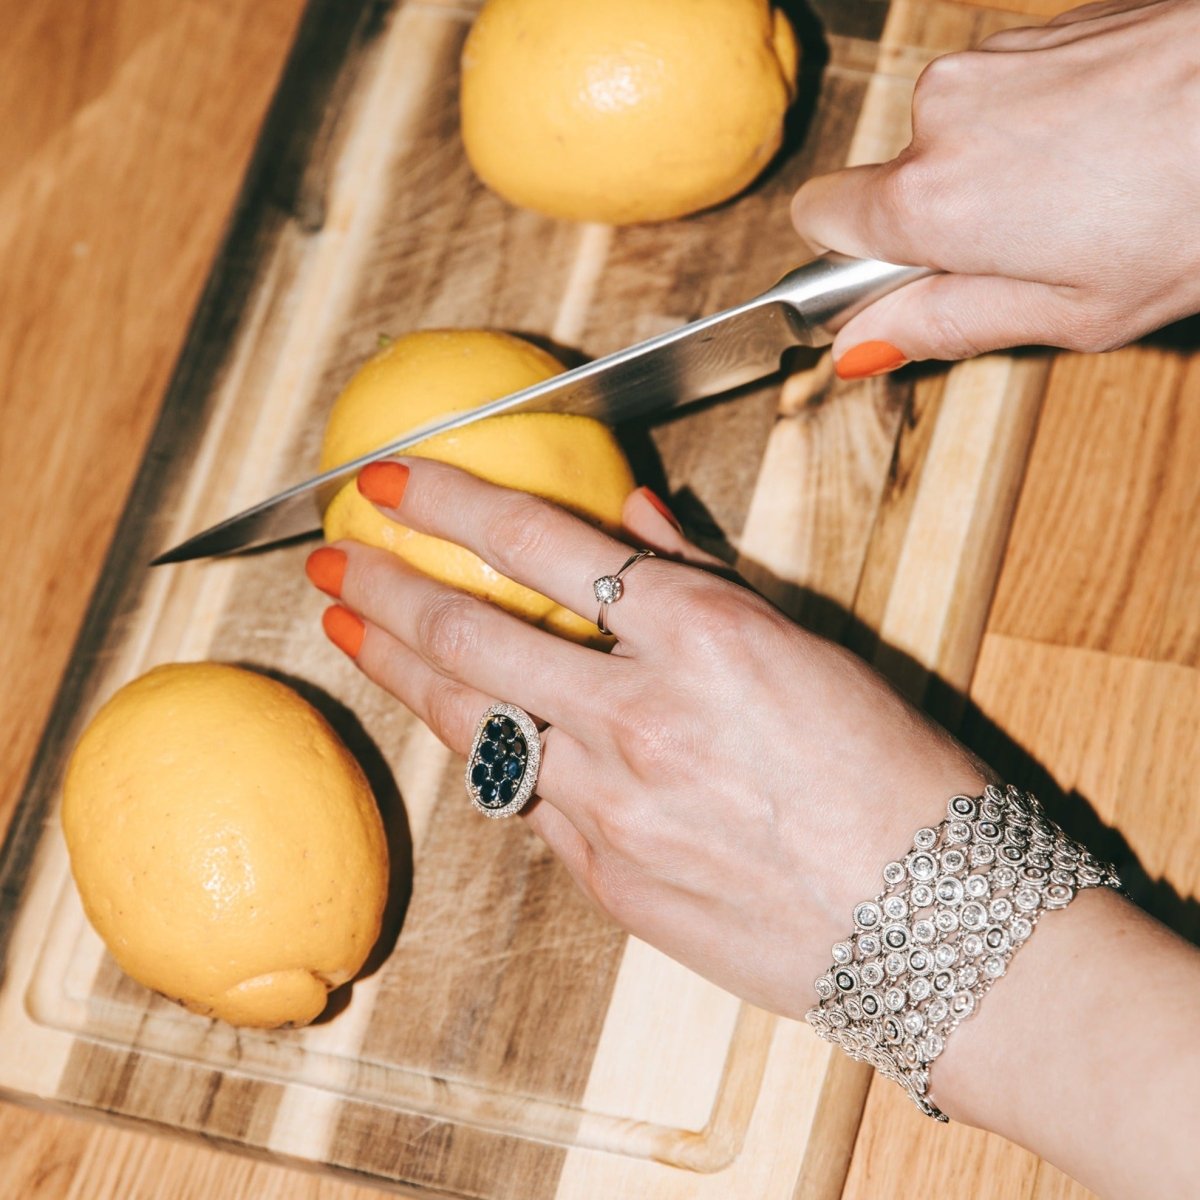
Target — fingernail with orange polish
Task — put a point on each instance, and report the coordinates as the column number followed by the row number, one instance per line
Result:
column 383, row 483
column 326, row 568
column 869, row 358
column 344, row 629
column 661, row 506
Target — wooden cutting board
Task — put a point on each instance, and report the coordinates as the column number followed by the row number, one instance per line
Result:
column 511, row 1042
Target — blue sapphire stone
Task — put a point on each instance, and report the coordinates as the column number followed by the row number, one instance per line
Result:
column 499, row 764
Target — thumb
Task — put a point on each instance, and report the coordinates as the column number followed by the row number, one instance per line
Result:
column 952, row 317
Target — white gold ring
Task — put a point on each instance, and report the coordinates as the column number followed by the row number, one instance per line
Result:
column 610, row 588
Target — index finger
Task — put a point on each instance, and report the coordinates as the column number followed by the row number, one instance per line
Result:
column 524, row 537
column 856, row 211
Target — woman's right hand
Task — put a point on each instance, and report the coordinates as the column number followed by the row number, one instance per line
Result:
column 1053, row 174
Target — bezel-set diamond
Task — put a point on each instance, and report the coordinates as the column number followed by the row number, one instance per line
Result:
column 944, row 929
column 608, row 589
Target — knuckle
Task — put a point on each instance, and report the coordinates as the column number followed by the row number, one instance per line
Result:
column 718, row 620
column 448, row 631
column 912, row 192
column 944, row 74
column 517, row 532
column 654, row 744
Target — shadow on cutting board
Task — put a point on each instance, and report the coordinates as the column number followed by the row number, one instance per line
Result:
column 958, row 713
column 391, row 808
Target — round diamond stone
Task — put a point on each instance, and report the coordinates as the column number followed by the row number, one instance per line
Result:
column 925, row 839
column 944, row 955
column 608, row 588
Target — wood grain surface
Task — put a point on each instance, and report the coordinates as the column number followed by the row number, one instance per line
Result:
column 134, row 122
column 501, row 1052
column 127, row 127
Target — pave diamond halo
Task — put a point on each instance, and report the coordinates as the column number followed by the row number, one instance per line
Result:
column 502, row 768
column 608, row 588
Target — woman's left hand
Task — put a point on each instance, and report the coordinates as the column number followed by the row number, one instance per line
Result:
column 723, row 784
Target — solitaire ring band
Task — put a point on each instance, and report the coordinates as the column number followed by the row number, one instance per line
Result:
column 610, row 588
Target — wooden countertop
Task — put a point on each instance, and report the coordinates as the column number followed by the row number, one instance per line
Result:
column 127, row 127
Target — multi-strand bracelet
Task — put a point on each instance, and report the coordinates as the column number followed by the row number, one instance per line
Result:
column 951, row 915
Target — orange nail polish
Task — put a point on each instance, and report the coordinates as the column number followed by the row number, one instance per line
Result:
column 344, row 629
column 869, row 358
column 326, row 568
column 661, row 506
column 383, row 483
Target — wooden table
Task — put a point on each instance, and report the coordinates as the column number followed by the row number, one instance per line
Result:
column 127, row 126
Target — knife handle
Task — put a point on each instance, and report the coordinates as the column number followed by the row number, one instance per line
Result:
column 822, row 295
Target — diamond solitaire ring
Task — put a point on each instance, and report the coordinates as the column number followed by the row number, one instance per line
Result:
column 610, row 588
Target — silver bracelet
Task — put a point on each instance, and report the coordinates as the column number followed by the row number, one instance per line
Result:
column 951, row 915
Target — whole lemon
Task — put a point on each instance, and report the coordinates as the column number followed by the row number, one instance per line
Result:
column 226, row 845
column 625, row 110
column 575, row 461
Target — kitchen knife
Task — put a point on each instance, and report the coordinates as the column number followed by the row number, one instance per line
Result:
column 707, row 357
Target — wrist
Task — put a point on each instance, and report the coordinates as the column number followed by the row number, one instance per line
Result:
column 913, row 795
column 1089, row 1041
column 952, row 914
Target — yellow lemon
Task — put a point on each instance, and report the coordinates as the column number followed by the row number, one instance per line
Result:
column 226, row 845
column 625, row 110
column 574, row 461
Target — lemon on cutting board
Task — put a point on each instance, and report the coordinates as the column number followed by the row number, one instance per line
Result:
column 625, row 111
column 226, row 845
column 574, row 461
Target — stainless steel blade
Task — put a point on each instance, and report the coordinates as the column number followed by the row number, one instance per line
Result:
column 707, row 357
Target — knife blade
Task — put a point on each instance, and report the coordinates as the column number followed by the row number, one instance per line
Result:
column 701, row 359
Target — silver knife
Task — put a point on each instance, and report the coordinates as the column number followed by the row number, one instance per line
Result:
column 707, row 357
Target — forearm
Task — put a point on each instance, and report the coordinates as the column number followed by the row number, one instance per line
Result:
column 1088, row 1051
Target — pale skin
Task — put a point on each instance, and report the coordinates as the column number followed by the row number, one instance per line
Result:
column 739, row 847
column 1053, row 172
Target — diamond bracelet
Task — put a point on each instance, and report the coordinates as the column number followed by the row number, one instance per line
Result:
column 951, row 915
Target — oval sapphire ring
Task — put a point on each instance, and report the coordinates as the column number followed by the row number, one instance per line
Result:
column 502, row 768
column 610, row 588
